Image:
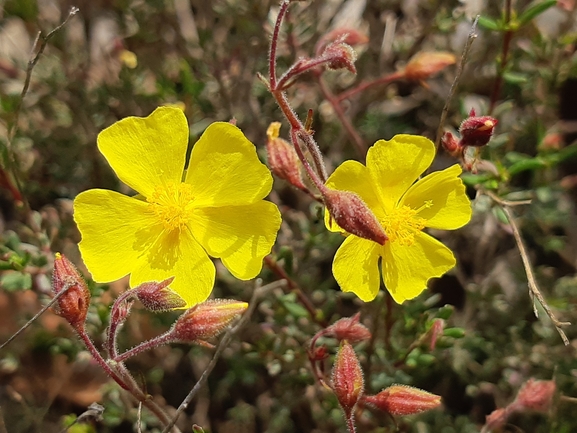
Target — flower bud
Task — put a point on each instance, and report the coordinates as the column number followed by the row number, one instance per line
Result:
column 348, row 382
column 340, row 56
column 320, row 353
column 451, row 144
column 476, row 130
column 72, row 305
column 206, row 320
column 536, row 395
column 424, row 64
column 403, row 400
column 436, row 331
column 496, row 419
column 282, row 158
column 349, row 328
column 352, row 215
column 157, row 296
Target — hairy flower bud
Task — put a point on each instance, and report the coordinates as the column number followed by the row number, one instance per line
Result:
column 436, row 331
column 352, row 215
column 282, row 158
column 158, row 297
column 72, row 305
column 206, row 320
column 403, row 400
column 349, row 328
column 536, row 395
column 349, row 36
column 477, row 130
column 424, row 64
column 348, row 382
column 340, row 56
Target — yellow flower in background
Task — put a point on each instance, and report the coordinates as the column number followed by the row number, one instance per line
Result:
column 179, row 217
column 404, row 208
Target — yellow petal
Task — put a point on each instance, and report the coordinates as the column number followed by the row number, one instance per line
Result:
column 179, row 255
column 224, row 169
column 146, row 152
column 239, row 235
column 356, row 267
column 406, row 269
column 353, row 176
column 449, row 208
column 395, row 165
column 112, row 226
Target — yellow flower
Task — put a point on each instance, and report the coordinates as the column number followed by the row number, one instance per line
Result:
column 180, row 216
column 410, row 257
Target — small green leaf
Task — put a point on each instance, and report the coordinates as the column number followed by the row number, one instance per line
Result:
column 515, row 78
column 445, row 312
column 490, row 23
column 528, row 164
column 532, row 11
column 293, row 308
column 454, row 332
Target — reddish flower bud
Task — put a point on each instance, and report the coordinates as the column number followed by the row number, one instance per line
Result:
column 352, row 215
column 282, row 158
column 206, row 320
column 340, row 56
column 403, row 400
column 320, row 353
column 436, row 331
column 118, row 315
column 536, row 395
column 451, row 144
column 72, row 305
column 496, row 419
column 424, row 64
column 157, row 296
column 349, row 328
column 477, row 130
column 348, row 382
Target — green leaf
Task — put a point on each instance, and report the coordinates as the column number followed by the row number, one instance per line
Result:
column 15, row 281
column 532, row 11
column 528, row 164
column 515, row 78
column 454, row 332
column 490, row 23
column 292, row 307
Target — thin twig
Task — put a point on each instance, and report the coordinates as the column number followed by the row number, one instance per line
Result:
column 472, row 36
column 534, row 291
column 36, row 316
column 222, row 345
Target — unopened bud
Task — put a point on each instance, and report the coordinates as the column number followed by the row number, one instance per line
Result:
column 424, row 64
column 451, row 144
column 282, row 158
column 320, row 353
column 72, row 305
column 477, row 130
column 496, row 419
column 352, row 215
column 350, row 329
column 536, row 395
column 403, row 400
column 158, row 297
column 436, row 331
column 206, row 320
column 348, row 382
column 340, row 56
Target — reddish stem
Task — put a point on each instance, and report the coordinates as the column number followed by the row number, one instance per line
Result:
column 274, row 43
column 145, row 345
column 367, row 84
column 507, row 38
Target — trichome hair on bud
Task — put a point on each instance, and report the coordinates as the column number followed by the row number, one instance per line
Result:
column 158, row 297
column 348, row 380
column 72, row 305
column 348, row 328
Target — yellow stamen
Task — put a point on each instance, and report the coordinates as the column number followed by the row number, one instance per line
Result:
column 403, row 223
column 172, row 204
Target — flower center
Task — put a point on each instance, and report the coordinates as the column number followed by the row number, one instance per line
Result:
column 172, row 204
column 402, row 224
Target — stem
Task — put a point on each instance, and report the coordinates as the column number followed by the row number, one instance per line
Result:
column 534, row 290
column 114, row 327
column 504, row 59
column 351, row 131
column 347, row 94
column 294, row 287
column 274, row 43
column 145, row 345
column 472, row 36
column 351, row 423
